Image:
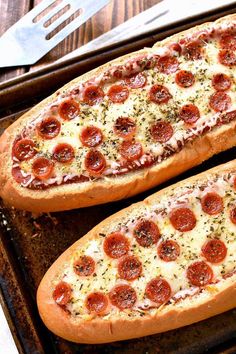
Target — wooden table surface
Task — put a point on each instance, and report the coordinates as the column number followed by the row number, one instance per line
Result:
column 116, row 12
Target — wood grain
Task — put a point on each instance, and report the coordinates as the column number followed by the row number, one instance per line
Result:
column 10, row 12
column 115, row 13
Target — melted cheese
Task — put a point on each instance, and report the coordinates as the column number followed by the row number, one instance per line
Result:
column 207, row 227
column 139, row 107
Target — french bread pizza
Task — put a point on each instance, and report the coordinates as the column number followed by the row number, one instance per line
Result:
column 160, row 264
column 126, row 126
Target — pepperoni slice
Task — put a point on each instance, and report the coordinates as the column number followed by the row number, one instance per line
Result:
column 162, row 131
column 158, row 290
column 233, row 214
column 176, row 47
column 184, row 78
column 189, row 113
column 125, row 127
column 220, row 101
column 221, row 82
column 62, row 293
column 227, row 57
column 129, row 268
column 91, row 136
column 18, row 176
column 169, row 250
column 159, row 94
column 96, row 302
column 84, row 266
column 199, row 273
column 63, row 153
column 146, row 233
column 167, row 64
column 234, row 182
column 228, row 117
column 116, row 245
column 69, row 109
column 183, row 219
column 214, row 251
column 93, row 95
column 123, row 296
column 193, row 50
column 24, row 149
column 212, row 203
column 49, row 128
column 95, row 162
column 118, row 72
column 42, row 168
column 204, row 37
column 118, row 93
column 228, row 41
column 136, row 81
column 131, row 150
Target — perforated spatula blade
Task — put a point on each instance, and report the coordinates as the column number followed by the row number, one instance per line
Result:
column 29, row 40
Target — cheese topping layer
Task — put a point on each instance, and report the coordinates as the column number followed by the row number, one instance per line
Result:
column 167, row 250
column 133, row 115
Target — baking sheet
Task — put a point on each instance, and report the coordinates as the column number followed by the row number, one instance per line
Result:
column 29, row 244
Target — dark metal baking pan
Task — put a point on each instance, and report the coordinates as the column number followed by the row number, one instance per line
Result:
column 29, row 244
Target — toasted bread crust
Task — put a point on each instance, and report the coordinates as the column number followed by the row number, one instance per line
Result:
column 185, row 312
column 85, row 194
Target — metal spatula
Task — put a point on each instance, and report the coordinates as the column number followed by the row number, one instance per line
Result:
column 29, row 40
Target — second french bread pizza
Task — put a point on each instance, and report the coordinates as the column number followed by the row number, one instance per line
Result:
column 160, row 264
column 127, row 125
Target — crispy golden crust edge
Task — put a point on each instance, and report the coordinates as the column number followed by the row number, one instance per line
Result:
column 102, row 331
column 91, row 193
